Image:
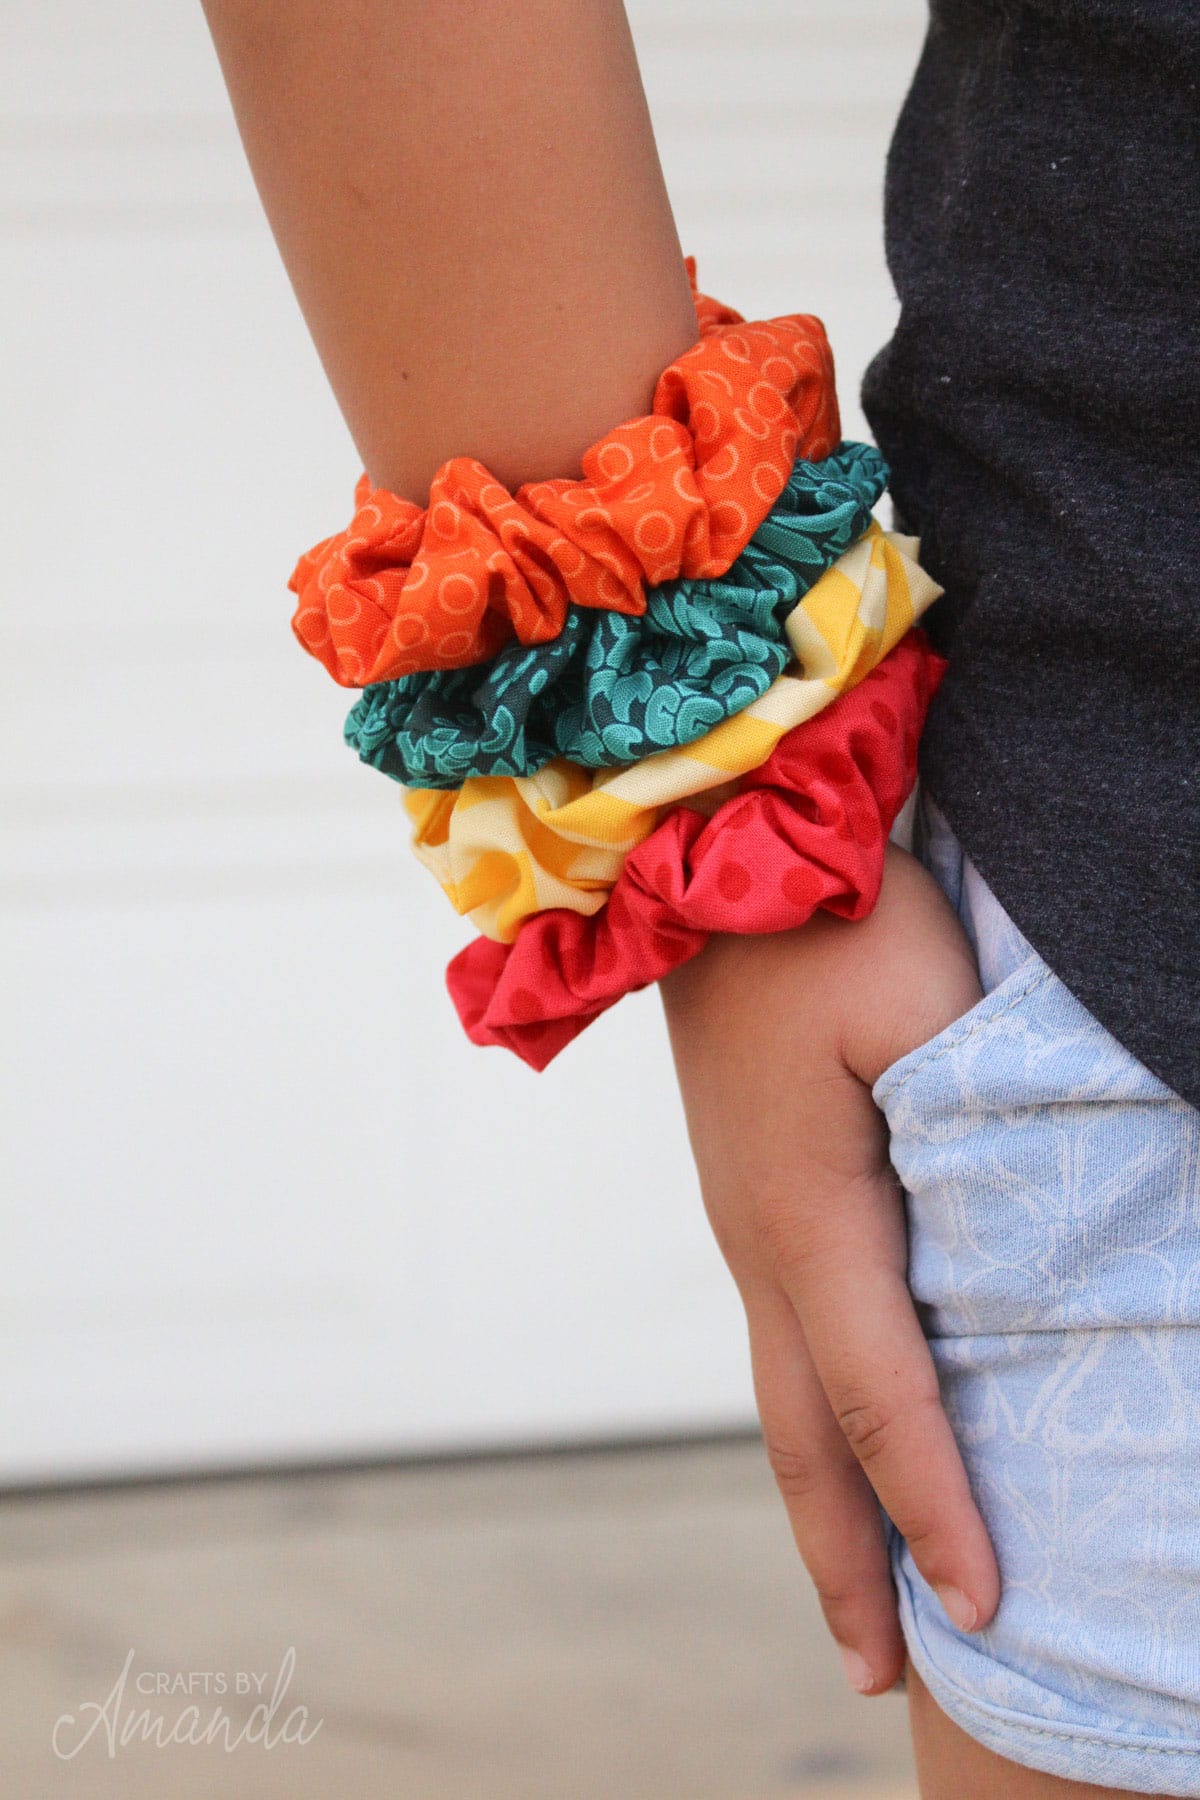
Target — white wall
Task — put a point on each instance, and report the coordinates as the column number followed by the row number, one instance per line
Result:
column 261, row 1199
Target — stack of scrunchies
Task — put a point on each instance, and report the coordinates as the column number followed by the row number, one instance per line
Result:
column 678, row 696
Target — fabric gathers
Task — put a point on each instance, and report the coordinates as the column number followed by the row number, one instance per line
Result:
column 806, row 829
column 612, row 687
column 504, row 848
column 678, row 492
column 681, row 695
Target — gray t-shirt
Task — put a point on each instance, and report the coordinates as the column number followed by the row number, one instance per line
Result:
column 1039, row 405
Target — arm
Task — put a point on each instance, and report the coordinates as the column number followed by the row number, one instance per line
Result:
column 475, row 223
column 470, row 206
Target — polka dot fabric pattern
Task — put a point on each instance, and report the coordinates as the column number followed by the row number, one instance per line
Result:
column 503, row 847
column 612, row 688
column 676, row 493
column 807, row 829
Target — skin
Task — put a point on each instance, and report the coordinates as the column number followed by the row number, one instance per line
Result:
column 950, row 1764
column 476, row 228
column 474, row 220
column 790, row 1031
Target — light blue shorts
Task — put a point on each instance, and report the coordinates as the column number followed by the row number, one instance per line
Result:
column 1053, row 1195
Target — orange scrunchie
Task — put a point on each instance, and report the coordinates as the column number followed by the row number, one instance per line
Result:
column 678, row 492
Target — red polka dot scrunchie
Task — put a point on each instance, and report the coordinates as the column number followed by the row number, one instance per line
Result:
column 679, row 492
column 805, row 829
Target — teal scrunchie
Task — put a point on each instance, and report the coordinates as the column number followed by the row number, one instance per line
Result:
column 611, row 689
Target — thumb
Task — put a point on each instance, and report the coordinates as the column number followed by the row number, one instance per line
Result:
column 912, row 974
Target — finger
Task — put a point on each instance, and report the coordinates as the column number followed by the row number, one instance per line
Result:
column 846, row 1279
column 833, row 1513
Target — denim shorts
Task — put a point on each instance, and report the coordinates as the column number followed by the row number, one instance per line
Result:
column 1052, row 1187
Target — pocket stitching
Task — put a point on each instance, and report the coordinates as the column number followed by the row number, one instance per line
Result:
column 1041, row 974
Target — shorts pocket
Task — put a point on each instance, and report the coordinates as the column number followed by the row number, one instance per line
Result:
column 1046, row 1172
column 999, row 1004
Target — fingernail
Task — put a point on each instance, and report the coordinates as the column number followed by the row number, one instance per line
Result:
column 959, row 1610
column 858, row 1672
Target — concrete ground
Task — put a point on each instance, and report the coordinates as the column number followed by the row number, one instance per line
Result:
column 627, row 1624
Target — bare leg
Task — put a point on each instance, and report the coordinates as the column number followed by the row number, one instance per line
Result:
column 950, row 1764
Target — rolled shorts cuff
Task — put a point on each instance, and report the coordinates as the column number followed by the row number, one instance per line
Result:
column 1074, row 1751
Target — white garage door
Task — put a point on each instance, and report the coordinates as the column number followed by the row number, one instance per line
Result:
column 261, row 1199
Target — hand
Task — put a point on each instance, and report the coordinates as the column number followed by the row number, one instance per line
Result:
column 777, row 1042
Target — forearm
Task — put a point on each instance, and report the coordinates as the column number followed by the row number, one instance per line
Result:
column 470, row 207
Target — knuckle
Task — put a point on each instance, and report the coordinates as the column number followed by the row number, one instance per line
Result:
column 842, row 1599
column 797, row 1473
column 868, row 1427
column 923, row 1539
column 783, row 1235
column 774, row 1230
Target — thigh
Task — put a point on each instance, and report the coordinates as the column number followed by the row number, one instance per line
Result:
column 951, row 1764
